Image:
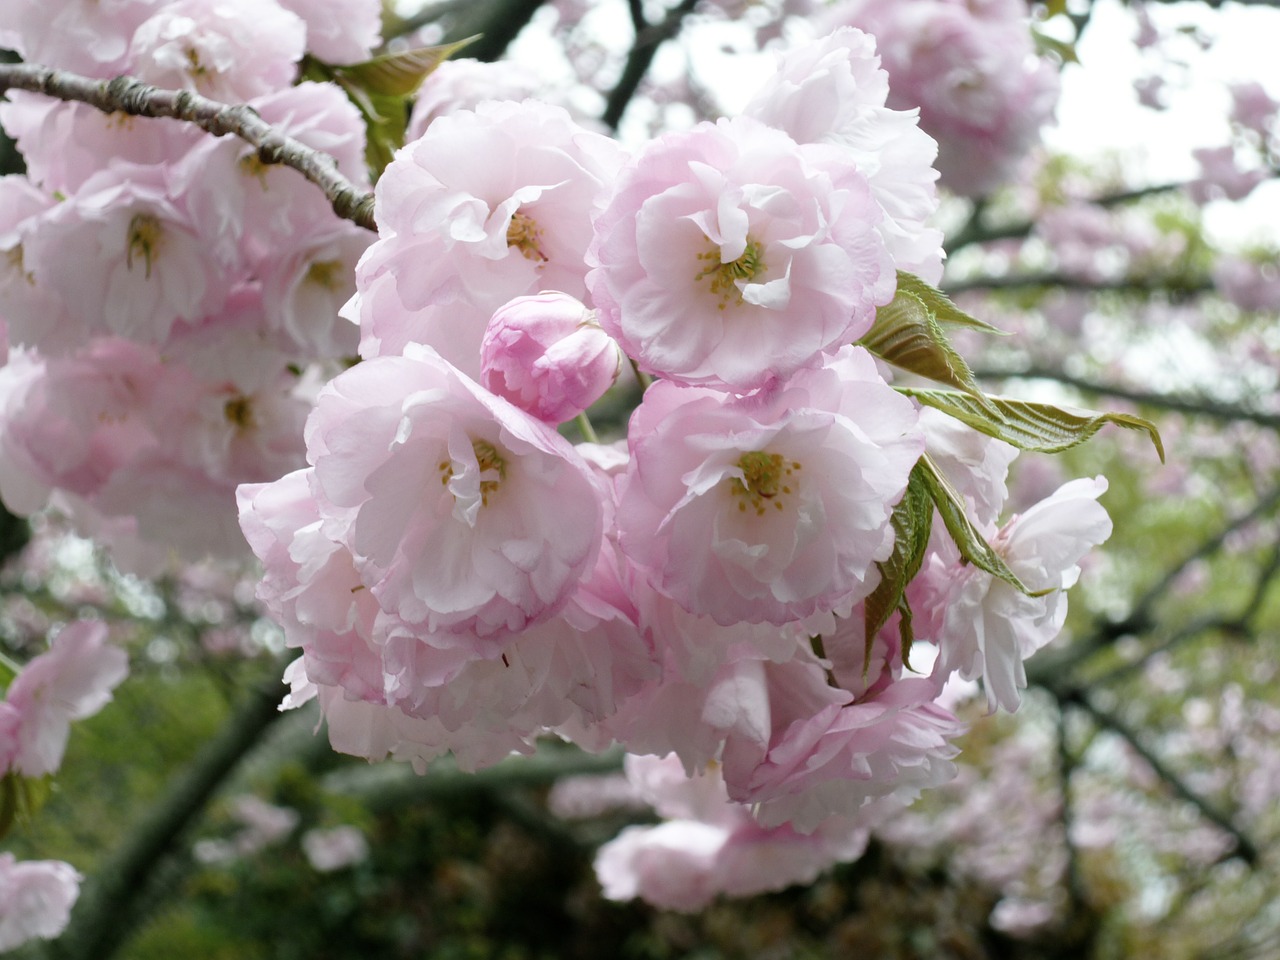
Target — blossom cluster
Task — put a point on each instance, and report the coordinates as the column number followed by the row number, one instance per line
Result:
column 170, row 301
column 458, row 576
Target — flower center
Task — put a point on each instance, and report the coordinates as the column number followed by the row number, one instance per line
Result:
column 526, row 236
column 145, row 234
column 724, row 277
column 765, row 476
column 493, row 469
column 239, row 411
column 324, row 273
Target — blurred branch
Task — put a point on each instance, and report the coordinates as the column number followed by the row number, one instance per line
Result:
column 106, row 912
column 1024, row 281
column 1244, row 846
column 641, row 57
column 497, row 21
column 1192, row 406
column 132, row 96
column 975, row 229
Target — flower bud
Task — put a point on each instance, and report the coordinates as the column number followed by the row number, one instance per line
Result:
column 547, row 355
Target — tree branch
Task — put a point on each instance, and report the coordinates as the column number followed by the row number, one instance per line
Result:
column 641, row 57
column 1031, row 281
column 1245, row 848
column 132, row 96
column 498, row 23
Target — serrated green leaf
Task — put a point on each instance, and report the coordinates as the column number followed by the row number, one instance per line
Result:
column 912, row 519
column 908, row 335
column 968, row 538
column 397, row 74
column 1037, row 427
column 940, row 304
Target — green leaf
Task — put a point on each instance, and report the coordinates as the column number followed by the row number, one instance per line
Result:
column 397, row 74
column 969, row 539
column 380, row 89
column 912, row 519
column 941, row 305
column 1037, row 427
column 908, row 333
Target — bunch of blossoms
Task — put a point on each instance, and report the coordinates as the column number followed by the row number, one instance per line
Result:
column 972, row 70
column 730, row 584
column 171, row 302
column 71, row 681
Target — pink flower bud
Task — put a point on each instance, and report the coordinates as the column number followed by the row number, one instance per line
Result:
column 547, row 355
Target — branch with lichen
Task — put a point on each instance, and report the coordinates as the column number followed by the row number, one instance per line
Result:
column 133, row 97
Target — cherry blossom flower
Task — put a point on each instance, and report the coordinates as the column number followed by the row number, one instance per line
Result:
column 548, row 356
column 339, row 31
column 228, row 50
column 987, row 627
column 768, row 508
column 726, row 258
column 36, row 897
column 709, row 846
column 465, row 513
column 84, row 36
column 71, row 681
column 463, row 84
column 971, row 69
column 490, row 204
column 833, row 91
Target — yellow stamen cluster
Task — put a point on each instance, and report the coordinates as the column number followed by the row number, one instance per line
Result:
column 239, row 410
column 526, row 236
column 493, row 469
column 145, row 234
column 725, row 276
column 765, row 477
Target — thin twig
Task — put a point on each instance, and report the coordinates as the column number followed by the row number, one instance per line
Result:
column 130, row 95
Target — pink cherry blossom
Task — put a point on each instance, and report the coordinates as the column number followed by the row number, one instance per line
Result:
column 339, row 31
column 548, row 356
column 228, row 50
column 462, row 84
column 36, row 897
column 832, row 91
column 122, row 257
column 971, row 69
column 490, row 204
column 71, row 681
column 987, row 627
column 726, row 258
column 710, row 846
column 465, row 513
column 768, row 508
column 84, row 36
